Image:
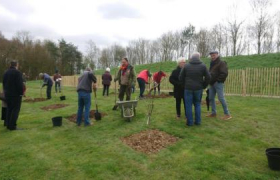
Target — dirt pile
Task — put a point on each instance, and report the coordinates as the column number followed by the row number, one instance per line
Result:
column 32, row 100
column 73, row 117
column 54, row 106
column 162, row 95
column 149, row 141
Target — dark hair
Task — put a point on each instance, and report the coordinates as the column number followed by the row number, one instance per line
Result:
column 56, row 71
column 125, row 59
column 160, row 72
column 13, row 63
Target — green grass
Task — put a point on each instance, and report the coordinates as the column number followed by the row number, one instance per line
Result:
column 235, row 62
column 215, row 150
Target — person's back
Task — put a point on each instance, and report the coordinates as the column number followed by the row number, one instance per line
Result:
column 85, row 82
column 196, row 75
column 12, row 83
column 106, row 78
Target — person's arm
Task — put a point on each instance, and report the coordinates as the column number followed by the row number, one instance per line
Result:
column 45, row 82
column 206, row 78
column 117, row 78
column 133, row 77
column 173, row 79
column 19, row 83
column 223, row 72
column 92, row 77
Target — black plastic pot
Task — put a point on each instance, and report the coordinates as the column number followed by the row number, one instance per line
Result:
column 62, row 98
column 273, row 157
column 171, row 93
column 57, row 121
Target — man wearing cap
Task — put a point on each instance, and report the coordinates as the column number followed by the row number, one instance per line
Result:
column 13, row 90
column 47, row 81
column 106, row 81
column 219, row 73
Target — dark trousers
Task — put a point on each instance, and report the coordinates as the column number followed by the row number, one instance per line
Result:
column 49, row 91
column 141, row 83
column 155, row 89
column 57, row 86
column 178, row 106
column 13, row 109
column 105, row 89
column 125, row 90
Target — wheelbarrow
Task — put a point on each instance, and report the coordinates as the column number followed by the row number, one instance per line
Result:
column 127, row 108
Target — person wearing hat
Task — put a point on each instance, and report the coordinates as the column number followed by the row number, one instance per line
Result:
column 106, row 81
column 126, row 77
column 57, row 81
column 13, row 92
column 219, row 73
column 178, row 89
column 47, row 81
column 142, row 80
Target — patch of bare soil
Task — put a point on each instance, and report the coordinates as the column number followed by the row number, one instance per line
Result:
column 32, row 100
column 149, row 141
column 162, row 95
column 73, row 117
column 54, row 106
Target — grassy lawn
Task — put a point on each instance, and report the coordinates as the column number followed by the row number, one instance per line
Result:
column 215, row 150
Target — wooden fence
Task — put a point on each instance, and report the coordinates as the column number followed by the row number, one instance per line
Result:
column 262, row 82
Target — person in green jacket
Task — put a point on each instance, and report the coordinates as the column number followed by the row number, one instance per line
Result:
column 127, row 78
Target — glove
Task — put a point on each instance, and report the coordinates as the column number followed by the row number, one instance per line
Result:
column 94, row 87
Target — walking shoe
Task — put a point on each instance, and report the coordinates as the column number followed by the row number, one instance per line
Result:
column 211, row 115
column 226, row 117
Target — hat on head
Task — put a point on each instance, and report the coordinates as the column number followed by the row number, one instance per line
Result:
column 214, row 52
column 108, row 69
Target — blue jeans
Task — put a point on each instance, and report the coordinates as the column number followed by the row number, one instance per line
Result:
column 84, row 100
column 141, row 83
column 219, row 89
column 193, row 98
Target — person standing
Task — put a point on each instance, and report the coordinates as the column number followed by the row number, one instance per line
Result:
column 126, row 77
column 106, row 81
column 219, row 73
column 157, row 80
column 84, row 90
column 47, row 81
column 13, row 90
column 196, row 78
column 142, row 80
column 57, row 81
column 178, row 86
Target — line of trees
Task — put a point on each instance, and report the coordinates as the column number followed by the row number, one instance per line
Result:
column 259, row 33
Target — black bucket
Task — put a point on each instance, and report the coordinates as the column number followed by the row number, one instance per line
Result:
column 273, row 157
column 171, row 93
column 57, row 121
column 62, row 98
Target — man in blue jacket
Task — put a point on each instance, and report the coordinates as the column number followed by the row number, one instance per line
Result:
column 196, row 78
column 47, row 82
column 13, row 90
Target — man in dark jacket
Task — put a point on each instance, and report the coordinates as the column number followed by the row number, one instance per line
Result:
column 219, row 73
column 13, row 90
column 47, row 81
column 106, row 81
column 196, row 78
column 178, row 86
column 84, row 90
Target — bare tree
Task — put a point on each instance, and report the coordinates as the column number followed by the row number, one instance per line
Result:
column 262, row 17
column 92, row 54
column 167, row 42
column 202, row 42
column 235, row 29
column 278, row 31
column 188, row 35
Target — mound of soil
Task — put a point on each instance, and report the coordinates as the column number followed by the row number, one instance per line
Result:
column 149, row 141
column 162, row 95
column 73, row 117
column 54, row 106
column 32, row 100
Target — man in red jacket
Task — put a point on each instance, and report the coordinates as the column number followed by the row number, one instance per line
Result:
column 142, row 79
column 157, row 79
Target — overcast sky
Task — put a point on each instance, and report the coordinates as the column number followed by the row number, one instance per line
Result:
column 112, row 21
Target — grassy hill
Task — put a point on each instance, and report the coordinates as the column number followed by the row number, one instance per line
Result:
column 236, row 62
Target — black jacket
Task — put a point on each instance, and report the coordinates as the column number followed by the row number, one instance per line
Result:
column 195, row 75
column 218, row 71
column 178, row 85
column 12, row 83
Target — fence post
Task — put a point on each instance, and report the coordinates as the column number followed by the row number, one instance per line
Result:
column 243, row 83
